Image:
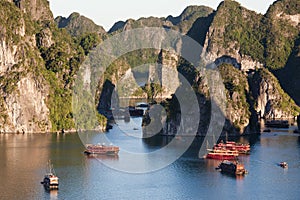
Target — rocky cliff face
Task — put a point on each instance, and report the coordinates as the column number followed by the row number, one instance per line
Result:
column 23, row 94
column 38, row 63
column 25, row 113
column 271, row 101
column 36, row 9
column 282, row 44
column 237, row 93
column 233, row 29
column 132, row 77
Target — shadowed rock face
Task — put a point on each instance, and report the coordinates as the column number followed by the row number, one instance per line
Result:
column 271, row 101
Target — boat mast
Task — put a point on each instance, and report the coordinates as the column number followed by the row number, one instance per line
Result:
column 50, row 167
column 226, row 137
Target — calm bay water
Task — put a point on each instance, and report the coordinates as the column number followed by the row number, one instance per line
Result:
column 23, row 161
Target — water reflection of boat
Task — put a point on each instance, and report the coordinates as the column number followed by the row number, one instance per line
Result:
column 267, row 130
column 101, row 149
column 232, row 168
column 296, row 131
column 103, row 157
column 50, row 179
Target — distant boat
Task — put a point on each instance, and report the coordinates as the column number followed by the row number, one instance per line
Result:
column 142, row 105
column 277, row 123
column 267, row 130
column 297, row 131
column 233, row 168
column 283, row 164
column 135, row 112
column 50, row 180
column 101, row 149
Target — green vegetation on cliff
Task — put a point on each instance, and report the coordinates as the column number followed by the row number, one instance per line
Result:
column 182, row 23
column 283, row 102
column 237, row 92
column 239, row 29
column 267, row 38
column 281, row 32
column 52, row 55
column 78, row 25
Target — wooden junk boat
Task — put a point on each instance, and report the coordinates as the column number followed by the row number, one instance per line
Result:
column 222, row 154
column 50, row 180
column 230, row 145
column 101, row 149
column 232, row 168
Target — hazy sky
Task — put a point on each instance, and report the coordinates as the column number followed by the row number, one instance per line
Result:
column 107, row 12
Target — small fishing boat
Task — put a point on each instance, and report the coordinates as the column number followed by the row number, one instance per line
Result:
column 50, row 180
column 232, row 168
column 283, row 164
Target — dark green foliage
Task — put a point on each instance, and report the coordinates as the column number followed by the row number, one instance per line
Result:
column 10, row 22
column 8, row 82
column 62, row 61
column 280, row 33
column 240, row 28
column 237, row 88
column 289, row 7
column 289, row 75
column 153, row 90
column 89, row 42
column 268, row 39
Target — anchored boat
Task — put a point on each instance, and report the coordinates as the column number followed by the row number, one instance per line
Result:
column 283, row 164
column 222, row 154
column 50, row 180
column 101, row 149
column 230, row 145
column 233, row 168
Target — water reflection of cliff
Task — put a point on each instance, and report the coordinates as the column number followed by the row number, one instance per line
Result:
column 22, row 159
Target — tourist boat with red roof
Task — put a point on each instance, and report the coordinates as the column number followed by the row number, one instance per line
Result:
column 101, row 149
column 222, row 154
column 230, row 145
